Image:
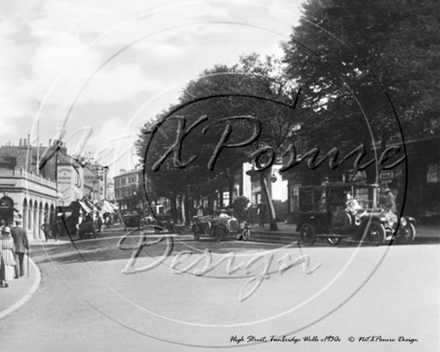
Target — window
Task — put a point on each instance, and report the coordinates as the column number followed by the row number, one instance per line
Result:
column 433, row 173
column 226, row 199
column 306, row 199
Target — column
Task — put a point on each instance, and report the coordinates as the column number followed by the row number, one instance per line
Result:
column 25, row 217
column 35, row 223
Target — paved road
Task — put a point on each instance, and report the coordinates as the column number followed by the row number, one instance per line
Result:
column 194, row 297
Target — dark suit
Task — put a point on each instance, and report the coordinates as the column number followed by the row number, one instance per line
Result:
column 21, row 242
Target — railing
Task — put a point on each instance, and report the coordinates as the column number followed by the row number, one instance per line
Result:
column 28, row 176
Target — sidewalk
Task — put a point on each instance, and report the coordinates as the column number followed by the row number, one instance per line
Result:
column 19, row 290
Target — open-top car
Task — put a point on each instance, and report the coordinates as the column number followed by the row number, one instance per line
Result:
column 340, row 210
column 220, row 227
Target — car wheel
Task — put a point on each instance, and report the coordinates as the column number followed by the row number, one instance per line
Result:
column 308, row 234
column 406, row 234
column 376, row 234
column 218, row 234
column 334, row 241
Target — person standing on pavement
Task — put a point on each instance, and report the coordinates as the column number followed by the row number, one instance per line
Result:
column 21, row 243
column 56, row 229
column 46, row 229
column 262, row 213
column 99, row 224
column 7, row 259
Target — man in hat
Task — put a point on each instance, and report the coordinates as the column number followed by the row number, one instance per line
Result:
column 390, row 202
column 46, row 228
column 224, row 214
column 21, row 242
column 262, row 213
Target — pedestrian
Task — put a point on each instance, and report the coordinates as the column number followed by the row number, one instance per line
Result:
column 7, row 249
column 46, row 229
column 390, row 202
column 249, row 215
column 21, row 243
column 223, row 214
column 99, row 223
column 56, row 229
column 262, row 213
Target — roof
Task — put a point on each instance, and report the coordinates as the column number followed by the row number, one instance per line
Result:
column 126, row 173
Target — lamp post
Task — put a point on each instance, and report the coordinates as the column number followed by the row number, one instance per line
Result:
column 105, row 170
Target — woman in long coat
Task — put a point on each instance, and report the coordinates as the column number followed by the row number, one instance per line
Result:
column 7, row 254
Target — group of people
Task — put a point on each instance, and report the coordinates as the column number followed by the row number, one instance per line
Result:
column 52, row 231
column 14, row 244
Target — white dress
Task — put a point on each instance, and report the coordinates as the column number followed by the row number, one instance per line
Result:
column 7, row 271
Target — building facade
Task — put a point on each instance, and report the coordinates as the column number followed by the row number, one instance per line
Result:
column 127, row 190
column 28, row 197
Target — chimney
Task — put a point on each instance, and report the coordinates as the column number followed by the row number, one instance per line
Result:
column 50, row 142
column 121, row 171
column 20, row 142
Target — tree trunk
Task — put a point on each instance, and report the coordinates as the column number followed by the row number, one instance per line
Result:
column 174, row 207
column 187, row 211
column 268, row 196
column 231, row 194
column 182, row 208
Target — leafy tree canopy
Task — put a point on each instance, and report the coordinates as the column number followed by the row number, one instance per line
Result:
column 357, row 61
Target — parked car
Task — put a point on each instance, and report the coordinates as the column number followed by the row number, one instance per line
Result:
column 340, row 210
column 87, row 229
column 131, row 220
column 220, row 227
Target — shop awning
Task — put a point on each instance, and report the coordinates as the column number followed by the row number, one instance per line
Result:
column 84, row 207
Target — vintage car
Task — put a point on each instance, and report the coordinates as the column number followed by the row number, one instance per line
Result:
column 132, row 220
column 341, row 210
column 86, row 229
column 220, row 227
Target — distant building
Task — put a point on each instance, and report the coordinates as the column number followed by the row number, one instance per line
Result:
column 96, row 185
column 35, row 181
column 415, row 183
column 127, row 190
column 28, row 195
column 110, row 189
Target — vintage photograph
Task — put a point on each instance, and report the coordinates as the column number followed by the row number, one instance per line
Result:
column 220, row 175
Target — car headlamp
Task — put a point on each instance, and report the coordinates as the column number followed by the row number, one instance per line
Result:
column 403, row 221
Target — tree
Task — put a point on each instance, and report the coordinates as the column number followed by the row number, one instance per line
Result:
column 239, row 206
column 356, row 62
column 228, row 104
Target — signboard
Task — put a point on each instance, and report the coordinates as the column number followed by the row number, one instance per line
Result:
column 386, row 175
column 69, row 184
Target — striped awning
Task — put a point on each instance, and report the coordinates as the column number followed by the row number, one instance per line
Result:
column 84, row 207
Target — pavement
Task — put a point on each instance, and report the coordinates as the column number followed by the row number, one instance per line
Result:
column 85, row 303
column 21, row 290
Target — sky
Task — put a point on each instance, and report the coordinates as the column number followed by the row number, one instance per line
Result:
column 93, row 71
